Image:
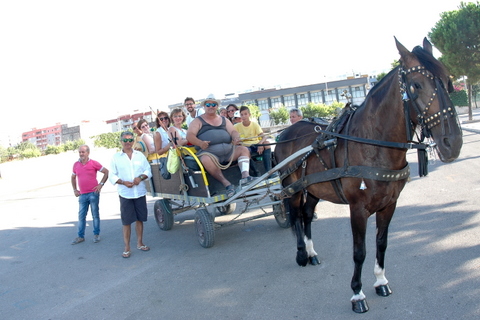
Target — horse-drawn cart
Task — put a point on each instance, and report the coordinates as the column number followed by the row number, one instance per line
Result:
column 192, row 188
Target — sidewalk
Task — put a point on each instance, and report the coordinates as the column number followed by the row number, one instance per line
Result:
column 467, row 125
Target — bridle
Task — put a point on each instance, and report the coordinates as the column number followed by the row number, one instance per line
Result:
column 425, row 120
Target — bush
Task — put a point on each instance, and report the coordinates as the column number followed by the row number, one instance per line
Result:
column 280, row 116
column 30, row 153
column 459, row 98
column 320, row 110
column 54, row 149
column 108, row 140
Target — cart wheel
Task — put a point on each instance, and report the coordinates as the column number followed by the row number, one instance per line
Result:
column 281, row 215
column 163, row 214
column 228, row 209
column 204, row 228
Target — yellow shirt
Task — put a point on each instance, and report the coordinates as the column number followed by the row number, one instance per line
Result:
column 253, row 130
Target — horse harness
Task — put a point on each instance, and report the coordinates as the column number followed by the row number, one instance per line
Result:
column 328, row 139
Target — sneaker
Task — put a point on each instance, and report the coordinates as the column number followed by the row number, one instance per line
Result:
column 96, row 238
column 246, row 181
column 78, row 240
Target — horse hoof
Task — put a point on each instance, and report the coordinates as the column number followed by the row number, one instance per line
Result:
column 360, row 306
column 383, row 290
column 314, row 261
column 302, row 259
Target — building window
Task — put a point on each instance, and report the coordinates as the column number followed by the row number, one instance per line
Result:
column 289, row 101
column 357, row 92
column 263, row 104
column 329, row 96
column 316, row 97
column 247, row 102
column 302, row 99
column 276, row 103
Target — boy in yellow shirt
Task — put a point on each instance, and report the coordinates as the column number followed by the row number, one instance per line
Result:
column 252, row 135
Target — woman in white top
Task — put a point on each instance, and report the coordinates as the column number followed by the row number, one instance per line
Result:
column 176, row 133
column 147, row 138
column 161, row 137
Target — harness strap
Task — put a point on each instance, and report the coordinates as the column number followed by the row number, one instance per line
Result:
column 378, row 174
column 387, row 144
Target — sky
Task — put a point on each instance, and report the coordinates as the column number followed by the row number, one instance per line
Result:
column 68, row 61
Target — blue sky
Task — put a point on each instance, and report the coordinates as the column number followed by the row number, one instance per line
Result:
column 66, row 61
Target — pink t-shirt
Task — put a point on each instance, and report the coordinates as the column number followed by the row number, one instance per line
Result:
column 87, row 175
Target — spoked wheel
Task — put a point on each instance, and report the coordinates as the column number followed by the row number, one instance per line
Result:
column 281, row 215
column 228, row 209
column 163, row 214
column 204, row 228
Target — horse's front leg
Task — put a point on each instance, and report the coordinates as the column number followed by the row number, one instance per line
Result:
column 296, row 220
column 358, row 221
column 383, row 221
column 308, row 212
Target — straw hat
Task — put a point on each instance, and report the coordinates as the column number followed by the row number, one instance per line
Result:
column 210, row 97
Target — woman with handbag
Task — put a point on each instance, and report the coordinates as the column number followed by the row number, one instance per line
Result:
column 177, row 134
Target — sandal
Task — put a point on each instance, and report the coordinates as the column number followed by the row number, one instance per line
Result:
column 143, row 248
column 230, row 191
column 126, row 254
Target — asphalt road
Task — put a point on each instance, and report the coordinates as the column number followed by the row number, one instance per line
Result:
column 433, row 259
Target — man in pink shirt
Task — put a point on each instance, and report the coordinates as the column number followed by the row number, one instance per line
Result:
column 89, row 194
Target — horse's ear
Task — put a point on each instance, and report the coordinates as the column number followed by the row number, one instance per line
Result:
column 427, row 46
column 405, row 55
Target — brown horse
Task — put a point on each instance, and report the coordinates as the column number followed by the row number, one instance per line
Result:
column 360, row 160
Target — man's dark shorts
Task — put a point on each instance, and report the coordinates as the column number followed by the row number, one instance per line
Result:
column 132, row 210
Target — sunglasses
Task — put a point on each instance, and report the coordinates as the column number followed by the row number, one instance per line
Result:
column 233, row 110
column 144, row 126
column 163, row 118
column 127, row 140
column 208, row 105
column 189, row 104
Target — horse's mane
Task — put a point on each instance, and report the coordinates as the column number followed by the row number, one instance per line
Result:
column 429, row 62
column 382, row 87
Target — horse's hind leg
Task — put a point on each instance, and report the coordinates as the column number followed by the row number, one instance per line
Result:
column 308, row 212
column 383, row 221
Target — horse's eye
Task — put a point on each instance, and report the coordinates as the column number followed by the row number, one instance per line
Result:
column 417, row 85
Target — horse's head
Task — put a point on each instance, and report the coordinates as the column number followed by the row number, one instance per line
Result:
column 423, row 80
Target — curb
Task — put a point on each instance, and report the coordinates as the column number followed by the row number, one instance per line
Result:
column 471, row 130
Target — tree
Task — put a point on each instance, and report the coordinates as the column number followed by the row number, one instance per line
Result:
column 280, row 116
column 108, row 140
column 394, row 64
column 54, row 149
column 318, row 110
column 254, row 112
column 457, row 37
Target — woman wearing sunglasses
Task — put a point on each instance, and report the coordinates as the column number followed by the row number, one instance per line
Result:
column 147, row 138
column 161, row 135
column 217, row 142
column 231, row 108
